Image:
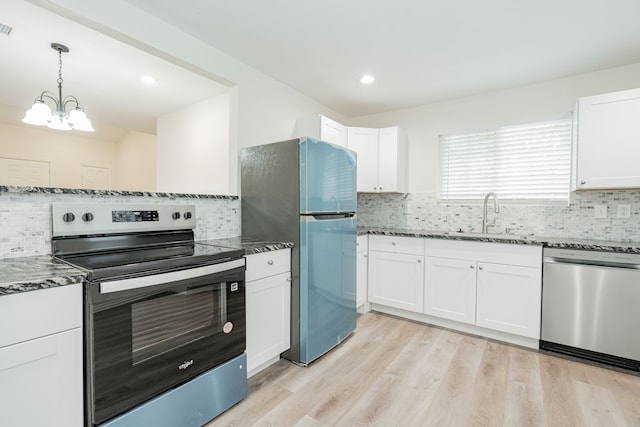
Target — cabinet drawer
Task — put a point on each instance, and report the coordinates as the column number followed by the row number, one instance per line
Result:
column 267, row 264
column 29, row 315
column 396, row 244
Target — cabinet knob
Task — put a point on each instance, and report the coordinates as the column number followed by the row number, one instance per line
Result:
column 270, row 262
column 583, row 182
column 471, row 267
column 393, row 243
column 365, row 255
column 419, row 260
column 480, row 268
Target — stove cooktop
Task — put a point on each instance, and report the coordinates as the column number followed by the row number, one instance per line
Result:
column 150, row 260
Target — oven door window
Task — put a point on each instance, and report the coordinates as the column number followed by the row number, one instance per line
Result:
column 168, row 321
column 146, row 341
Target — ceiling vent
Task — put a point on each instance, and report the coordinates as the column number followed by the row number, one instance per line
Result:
column 5, row 29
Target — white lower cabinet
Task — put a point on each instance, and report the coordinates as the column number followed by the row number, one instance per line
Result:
column 450, row 289
column 396, row 272
column 489, row 289
column 268, row 301
column 41, row 358
column 509, row 298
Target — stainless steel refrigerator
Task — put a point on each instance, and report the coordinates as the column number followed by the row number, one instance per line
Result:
column 304, row 191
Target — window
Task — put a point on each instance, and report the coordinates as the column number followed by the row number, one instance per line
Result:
column 524, row 162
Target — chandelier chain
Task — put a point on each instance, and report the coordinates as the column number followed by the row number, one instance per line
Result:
column 60, row 67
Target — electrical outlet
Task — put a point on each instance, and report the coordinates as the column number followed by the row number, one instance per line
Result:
column 600, row 211
column 624, row 211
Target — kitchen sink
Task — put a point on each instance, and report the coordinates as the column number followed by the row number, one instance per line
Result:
column 487, row 235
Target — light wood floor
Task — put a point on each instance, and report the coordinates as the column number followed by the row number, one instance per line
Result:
column 393, row 372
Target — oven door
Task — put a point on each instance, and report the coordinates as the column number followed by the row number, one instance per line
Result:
column 148, row 334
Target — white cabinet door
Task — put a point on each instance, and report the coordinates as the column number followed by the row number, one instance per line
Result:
column 396, row 280
column 41, row 381
column 609, row 141
column 333, row 132
column 361, row 272
column 322, row 128
column 364, row 141
column 450, row 289
column 509, row 298
column 392, row 168
column 268, row 318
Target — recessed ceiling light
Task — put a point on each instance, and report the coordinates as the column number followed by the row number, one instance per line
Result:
column 367, row 79
column 148, row 79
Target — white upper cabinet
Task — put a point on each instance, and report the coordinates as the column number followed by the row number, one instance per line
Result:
column 608, row 141
column 381, row 158
column 322, row 128
column 364, row 141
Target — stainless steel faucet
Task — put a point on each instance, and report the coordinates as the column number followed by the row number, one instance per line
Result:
column 496, row 209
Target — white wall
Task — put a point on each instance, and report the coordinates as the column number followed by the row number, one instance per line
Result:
column 135, row 162
column 543, row 101
column 66, row 152
column 193, row 148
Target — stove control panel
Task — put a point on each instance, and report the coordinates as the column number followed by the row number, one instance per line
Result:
column 134, row 216
column 75, row 219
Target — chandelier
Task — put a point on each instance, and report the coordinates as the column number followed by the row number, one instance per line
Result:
column 40, row 113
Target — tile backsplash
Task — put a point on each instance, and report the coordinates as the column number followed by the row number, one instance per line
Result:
column 422, row 211
column 25, row 218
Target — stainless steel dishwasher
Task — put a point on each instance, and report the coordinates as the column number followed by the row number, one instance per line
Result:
column 591, row 305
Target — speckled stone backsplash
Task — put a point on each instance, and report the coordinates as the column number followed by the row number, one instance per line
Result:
column 575, row 220
column 25, row 218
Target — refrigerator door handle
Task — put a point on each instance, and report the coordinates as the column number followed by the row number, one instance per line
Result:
column 327, row 217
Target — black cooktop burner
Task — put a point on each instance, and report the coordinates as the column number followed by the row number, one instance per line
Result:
column 150, row 260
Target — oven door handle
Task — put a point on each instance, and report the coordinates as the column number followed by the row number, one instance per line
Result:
column 173, row 276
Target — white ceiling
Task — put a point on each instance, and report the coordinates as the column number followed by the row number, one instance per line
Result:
column 103, row 73
column 419, row 51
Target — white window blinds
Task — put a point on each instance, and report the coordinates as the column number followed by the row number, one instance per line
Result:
column 524, row 162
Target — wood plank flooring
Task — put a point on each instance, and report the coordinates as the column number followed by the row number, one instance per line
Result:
column 394, row 372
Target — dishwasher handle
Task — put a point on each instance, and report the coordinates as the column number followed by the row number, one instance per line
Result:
column 588, row 257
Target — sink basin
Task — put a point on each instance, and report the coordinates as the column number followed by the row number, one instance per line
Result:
column 487, row 235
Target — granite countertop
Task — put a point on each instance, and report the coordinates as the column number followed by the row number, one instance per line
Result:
column 36, row 272
column 250, row 246
column 43, row 271
column 549, row 242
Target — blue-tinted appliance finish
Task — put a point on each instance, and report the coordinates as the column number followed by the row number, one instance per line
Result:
column 327, row 178
column 192, row 404
column 304, row 191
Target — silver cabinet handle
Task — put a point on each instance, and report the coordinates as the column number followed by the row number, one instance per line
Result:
column 270, row 262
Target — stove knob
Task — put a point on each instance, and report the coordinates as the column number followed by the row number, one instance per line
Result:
column 86, row 217
column 68, row 217
column 187, row 215
column 175, row 215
